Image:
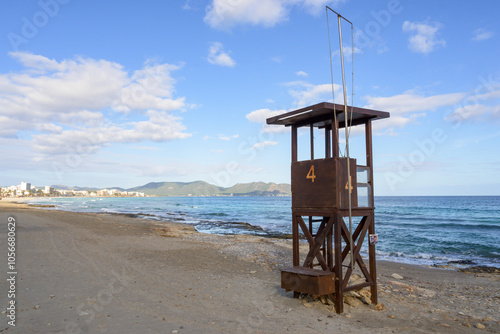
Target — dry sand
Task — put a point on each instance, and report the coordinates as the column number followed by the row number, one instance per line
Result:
column 94, row 273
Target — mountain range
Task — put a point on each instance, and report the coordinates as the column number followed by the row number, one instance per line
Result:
column 201, row 188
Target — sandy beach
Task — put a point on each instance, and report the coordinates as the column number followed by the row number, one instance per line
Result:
column 101, row 273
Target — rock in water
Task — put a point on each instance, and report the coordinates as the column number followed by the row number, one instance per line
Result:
column 480, row 326
column 380, row 307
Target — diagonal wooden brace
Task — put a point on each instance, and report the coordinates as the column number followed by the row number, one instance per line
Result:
column 312, row 243
column 359, row 236
column 316, row 243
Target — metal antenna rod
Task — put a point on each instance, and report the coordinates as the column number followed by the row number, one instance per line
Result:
column 346, row 143
column 331, row 74
column 346, row 122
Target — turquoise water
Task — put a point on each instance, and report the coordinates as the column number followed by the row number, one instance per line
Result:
column 420, row 230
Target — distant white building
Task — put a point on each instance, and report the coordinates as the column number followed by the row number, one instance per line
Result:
column 25, row 186
column 48, row 190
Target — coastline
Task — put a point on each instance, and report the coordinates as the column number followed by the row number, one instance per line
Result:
column 232, row 223
column 98, row 272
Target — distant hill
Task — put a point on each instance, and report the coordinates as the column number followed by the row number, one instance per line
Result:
column 260, row 189
column 62, row 187
column 201, row 188
column 196, row 188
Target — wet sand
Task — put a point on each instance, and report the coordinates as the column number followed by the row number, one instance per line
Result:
column 98, row 273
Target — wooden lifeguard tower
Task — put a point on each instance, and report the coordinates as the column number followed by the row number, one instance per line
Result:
column 323, row 192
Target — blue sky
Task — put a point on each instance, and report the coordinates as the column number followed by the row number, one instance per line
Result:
column 122, row 93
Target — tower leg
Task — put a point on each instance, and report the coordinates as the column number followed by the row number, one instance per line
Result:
column 339, row 293
column 372, row 263
column 295, row 240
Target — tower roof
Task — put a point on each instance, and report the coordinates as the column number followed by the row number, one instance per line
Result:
column 322, row 114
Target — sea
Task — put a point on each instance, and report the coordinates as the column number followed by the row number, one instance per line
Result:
column 456, row 231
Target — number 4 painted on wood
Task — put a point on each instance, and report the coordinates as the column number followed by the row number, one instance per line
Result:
column 347, row 185
column 311, row 174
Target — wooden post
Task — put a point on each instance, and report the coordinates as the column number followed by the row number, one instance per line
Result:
column 328, row 150
column 295, row 246
column 294, row 143
column 329, row 253
column 335, row 138
column 337, row 241
column 372, row 263
column 295, row 226
column 312, row 141
column 369, row 158
column 295, row 236
column 311, row 229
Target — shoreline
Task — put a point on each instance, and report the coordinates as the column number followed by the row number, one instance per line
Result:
column 464, row 265
column 71, row 264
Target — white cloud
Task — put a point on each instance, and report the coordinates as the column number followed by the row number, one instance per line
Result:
column 160, row 126
column 217, row 55
column 347, row 51
column 301, row 74
column 482, row 103
column 263, row 144
column 482, row 34
column 474, row 111
column 224, row 14
column 70, row 104
column 304, row 94
column 410, row 102
column 227, row 138
column 261, row 115
column 150, row 88
column 423, row 36
column 317, row 6
column 221, row 137
column 308, row 94
column 47, row 88
column 48, row 127
column 186, row 6
column 408, row 107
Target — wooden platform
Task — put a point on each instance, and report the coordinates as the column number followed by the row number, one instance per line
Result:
column 307, row 280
